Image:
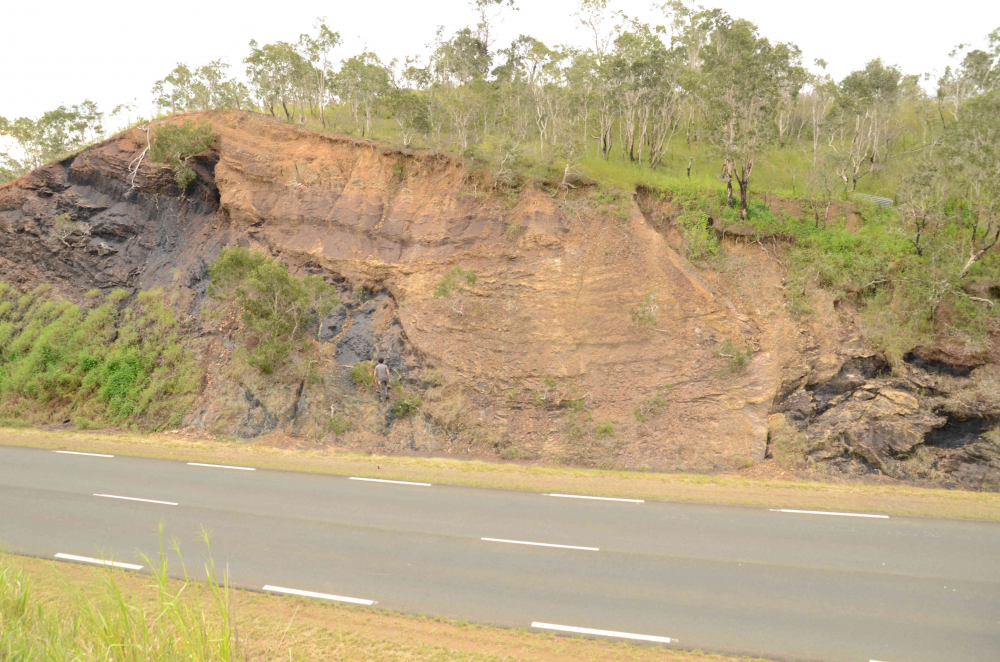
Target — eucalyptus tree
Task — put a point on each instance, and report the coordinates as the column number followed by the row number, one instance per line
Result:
column 743, row 77
column 361, row 83
column 970, row 157
column 55, row 134
column 866, row 102
column 317, row 50
column 976, row 73
column 276, row 73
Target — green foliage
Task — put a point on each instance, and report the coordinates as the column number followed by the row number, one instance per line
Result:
column 738, row 359
column 605, row 429
column 431, row 379
column 338, row 423
column 117, row 362
column 176, row 144
column 276, row 306
column 644, row 313
column 651, row 407
column 363, row 374
column 699, row 239
column 455, row 281
column 54, row 135
column 188, row 621
column 405, row 405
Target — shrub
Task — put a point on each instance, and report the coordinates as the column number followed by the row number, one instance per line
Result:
column 363, row 374
column 176, row 144
column 699, row 239
column 644, row 313
column 338, row 423
column 650, row 407
column 454, row 281
column 276, row 306
column 738, row 358
column 405, row 405
column 605, row 429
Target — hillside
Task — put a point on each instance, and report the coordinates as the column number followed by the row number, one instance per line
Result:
column 531, row 322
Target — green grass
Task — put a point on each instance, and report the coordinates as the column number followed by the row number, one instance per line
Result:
column 112, row 361
column 188, row 621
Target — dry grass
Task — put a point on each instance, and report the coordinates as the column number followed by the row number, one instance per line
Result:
column 728, row 489
column 284, row 628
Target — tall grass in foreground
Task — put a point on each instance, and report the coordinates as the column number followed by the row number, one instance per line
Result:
column 186, row 621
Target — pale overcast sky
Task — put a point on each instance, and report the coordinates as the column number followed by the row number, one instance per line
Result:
column 111, row 51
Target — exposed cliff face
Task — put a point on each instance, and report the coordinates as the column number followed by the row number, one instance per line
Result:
column 583, row 312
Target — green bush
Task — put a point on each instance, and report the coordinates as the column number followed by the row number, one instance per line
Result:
column 644, row 313
column 454, row 281
column 405, row 405
column 363, row 374
column 737, row 358
column 277, row 307
column 699, row 239
column 605, row 429
column 176, row 144
column 338, row 423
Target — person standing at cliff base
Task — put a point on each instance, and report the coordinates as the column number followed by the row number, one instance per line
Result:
column 382, row 375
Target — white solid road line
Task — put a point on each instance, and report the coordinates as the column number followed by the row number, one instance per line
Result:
column 89, row 454
column 580, row 496
column 87, row 559
column 397, row 482
column 602, row 633
column 321, row 596
column 112, row 496
column 823, row 512
column 220, row 466
column 541, row 544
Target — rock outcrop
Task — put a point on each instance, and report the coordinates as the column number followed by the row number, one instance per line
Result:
column 585, row 315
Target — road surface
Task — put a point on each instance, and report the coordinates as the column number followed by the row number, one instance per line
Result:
column 739, row 580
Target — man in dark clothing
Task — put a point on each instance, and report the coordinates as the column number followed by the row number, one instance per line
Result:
column 382, row 375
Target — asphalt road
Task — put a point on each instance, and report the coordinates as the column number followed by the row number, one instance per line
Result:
column 739, row 580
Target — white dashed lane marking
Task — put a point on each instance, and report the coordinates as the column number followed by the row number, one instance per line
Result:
column 221, row 466
column 113, row 496
column 596, row 498
column 87, row 559
column 395, row 482
column 602, row 633
column 541, row 544
column 87, row 454
column 321, row 596
column 823, row 512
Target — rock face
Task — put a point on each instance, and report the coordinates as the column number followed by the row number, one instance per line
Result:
column 585, row 316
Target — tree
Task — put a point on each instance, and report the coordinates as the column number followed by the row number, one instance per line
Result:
column 55, row 134
column 866, row 101
column 744, row 76
column 276, row 73
column 276, row 307
column 409, row 110
column 317, row 50
column 978, row 72
column 971, row 158
column 361, row 82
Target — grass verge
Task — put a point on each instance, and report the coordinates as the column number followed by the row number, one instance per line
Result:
column 260, row 627
column 712, row 489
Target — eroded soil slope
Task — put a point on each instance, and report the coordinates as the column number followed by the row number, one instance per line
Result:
column 587, row 337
